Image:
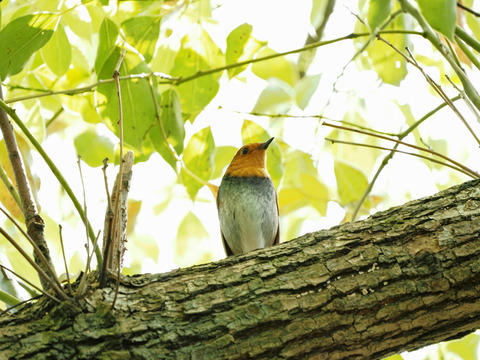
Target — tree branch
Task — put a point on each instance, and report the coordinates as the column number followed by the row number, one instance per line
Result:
column 33, row 221
column 402, row 279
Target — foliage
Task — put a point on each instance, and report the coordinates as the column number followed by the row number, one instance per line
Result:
column 199, row 79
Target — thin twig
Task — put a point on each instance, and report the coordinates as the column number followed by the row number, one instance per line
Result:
column 87, row 244
column 167, row 79
column 31, row 284
column 40, row 256
column 69, row 285
column 464, row 7
column 389, row 156
column 61, row 179
column 333, row 141
column 434, row 85
column 433, row 38
column 465, row 169
column 47, row 279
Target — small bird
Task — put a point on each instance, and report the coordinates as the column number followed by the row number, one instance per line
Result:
column 247, row 202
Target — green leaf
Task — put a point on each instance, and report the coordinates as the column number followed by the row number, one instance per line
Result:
column 301, row 184
column 198, row 158
column 198, row 53
column 137, row 102
column 441, row 15
column 305, row 88
column 240, row 47
column 277, row 98
column 277, row 67
column 389, row 65
column 394, row 357
column 21, row 38
column 223, row 157
column 252, row 133
column 142, row 33
column 193, row 242
column 57, row 54
column 93, row 148
column 106, row 45
column 464, row 348
column 171, row 129
column 351, row 182
column 378, row 11
column 309, row 191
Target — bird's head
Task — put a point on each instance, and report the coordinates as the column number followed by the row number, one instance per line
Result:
column 249, row 161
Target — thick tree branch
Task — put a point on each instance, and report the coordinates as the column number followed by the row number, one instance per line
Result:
column 402, row 279
column 33, row 220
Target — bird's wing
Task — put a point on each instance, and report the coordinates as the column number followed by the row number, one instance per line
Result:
column 228, row 251
column 276, row 241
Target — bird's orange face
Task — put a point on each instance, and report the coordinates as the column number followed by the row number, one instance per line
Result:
column 249, row 161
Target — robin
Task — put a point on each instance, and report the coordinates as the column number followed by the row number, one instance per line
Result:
column 247, row 202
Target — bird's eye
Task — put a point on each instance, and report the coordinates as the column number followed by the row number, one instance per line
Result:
column 244, row 151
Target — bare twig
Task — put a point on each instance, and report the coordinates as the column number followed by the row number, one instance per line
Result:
column 50, row 283
column 36, row 249
column 87, row 224
column 438, row 89
column 31, row 284
column 69, row 285
column 167, row 79
column 394, row 149
column 464, row 168
column 466, row 8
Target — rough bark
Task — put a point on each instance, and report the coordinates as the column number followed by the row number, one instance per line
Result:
column 400, row 280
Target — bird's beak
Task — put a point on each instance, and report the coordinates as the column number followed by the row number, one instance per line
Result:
column 265, row 144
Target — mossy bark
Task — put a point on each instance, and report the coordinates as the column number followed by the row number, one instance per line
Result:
column 402, row 279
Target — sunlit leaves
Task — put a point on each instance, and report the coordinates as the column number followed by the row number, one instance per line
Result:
column 21, row 38
column 57, row 53
column 94, row 148
column 137, row 100
column 107, row 39
column 193, row 242
column 241, row 46
column 198, row 159
column 351, row 182
column 168, row 135
column 440, row 14
column 198, row 53
column 378, row 11
column 277, row 67
column 276, row 98
column 142, row 33
column 388, row 64
column 305, row 88
column 223, row 157
column 7, row 176
column 301, row 182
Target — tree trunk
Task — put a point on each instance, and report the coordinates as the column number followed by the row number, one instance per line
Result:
column 400, row 280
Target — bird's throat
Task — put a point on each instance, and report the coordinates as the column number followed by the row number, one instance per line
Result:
column 247, row 171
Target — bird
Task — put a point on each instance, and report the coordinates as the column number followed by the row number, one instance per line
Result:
column 247, row 202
